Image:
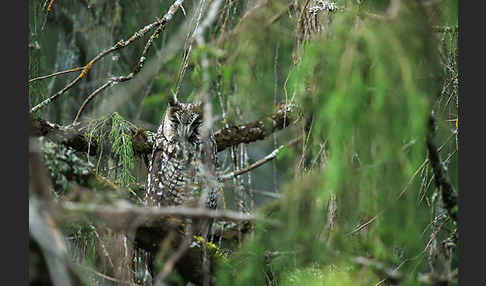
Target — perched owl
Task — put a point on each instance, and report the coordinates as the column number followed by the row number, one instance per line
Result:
column 180, row 159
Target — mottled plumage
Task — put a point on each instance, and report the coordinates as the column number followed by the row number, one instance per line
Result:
column 179, row 157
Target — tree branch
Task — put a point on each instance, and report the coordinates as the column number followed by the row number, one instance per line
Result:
column 449, row 195
column 117, row 46
column 260, row 162
column 74, row 136
column 124, row 211
column 67, row 135
column 141, row 61
column 56, row 74
column 257, row 130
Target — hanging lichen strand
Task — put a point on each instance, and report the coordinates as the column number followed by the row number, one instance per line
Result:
column 122, row 150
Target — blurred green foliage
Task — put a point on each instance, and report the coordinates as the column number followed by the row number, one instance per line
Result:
column 367, row 89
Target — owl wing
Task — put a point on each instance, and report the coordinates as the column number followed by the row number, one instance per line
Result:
column 153, row 179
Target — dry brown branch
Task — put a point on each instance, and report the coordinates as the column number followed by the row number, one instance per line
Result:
column 121, row 44
column 56, row 74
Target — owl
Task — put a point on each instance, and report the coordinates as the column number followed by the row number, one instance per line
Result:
column 181, row 158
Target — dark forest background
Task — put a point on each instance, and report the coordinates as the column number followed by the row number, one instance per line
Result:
column 351, row 106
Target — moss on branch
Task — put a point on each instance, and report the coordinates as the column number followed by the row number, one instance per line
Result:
column 76, row 136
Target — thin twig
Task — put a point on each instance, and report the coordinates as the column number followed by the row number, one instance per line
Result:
column 260, row 162
column 111, row 82
column 115, row 80
column 121, row 44
column 48, row 9
column 361, row 226
column 265, row 193
column 188, row 48
column 56, row 74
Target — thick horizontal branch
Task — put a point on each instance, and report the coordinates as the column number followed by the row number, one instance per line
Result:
column 74, row 136
column 257, row 130
column 67, row 135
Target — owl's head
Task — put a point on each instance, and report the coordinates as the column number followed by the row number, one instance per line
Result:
column 182, row 121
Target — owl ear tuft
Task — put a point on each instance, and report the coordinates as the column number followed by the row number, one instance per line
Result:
column 173, row 101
